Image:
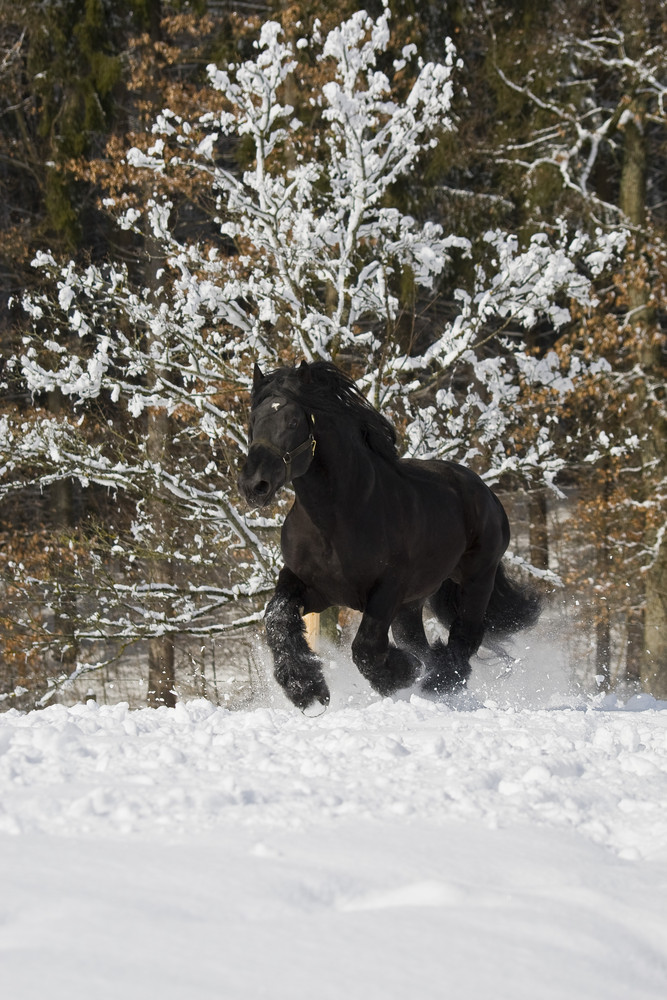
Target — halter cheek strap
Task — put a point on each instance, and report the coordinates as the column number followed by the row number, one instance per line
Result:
column 289, row 456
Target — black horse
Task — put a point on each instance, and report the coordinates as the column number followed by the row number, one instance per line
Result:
column 375, row 533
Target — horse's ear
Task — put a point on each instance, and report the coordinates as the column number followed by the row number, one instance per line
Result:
column 304, row 371
column 257, row 377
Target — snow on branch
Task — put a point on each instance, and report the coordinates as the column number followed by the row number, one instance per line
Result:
column 591, row 120
column 304, row 256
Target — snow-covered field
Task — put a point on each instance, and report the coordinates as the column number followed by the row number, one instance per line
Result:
column 511, row 843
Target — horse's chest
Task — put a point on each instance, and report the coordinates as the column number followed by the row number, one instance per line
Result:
column 339, row 568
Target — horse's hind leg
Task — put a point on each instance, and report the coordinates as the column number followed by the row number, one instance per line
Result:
column 450, row 664
column 407, row 629
column 385, row 667
column 296, row 668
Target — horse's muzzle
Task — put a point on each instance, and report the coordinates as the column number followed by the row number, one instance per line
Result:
column 256, row 482
column 260, row 495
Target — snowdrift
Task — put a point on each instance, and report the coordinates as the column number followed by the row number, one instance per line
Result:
column 386, row 848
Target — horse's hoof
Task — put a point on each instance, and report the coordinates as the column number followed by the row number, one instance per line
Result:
column 302, row 680
column 403, row 667
column 400, row 670
column 448, row 671
column 308, row 700
column 439, row 683
column 309, row 696
column 314, row 710
column 304, row 691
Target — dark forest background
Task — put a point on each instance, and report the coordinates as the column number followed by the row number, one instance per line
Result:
column 560, row 121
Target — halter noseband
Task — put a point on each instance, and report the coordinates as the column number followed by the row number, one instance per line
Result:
column 289, row 456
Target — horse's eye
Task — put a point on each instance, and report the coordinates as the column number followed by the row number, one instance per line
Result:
column 293, row 424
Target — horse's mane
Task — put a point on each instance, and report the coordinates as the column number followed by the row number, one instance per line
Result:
column 324, row 390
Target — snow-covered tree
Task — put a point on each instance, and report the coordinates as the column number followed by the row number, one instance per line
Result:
column 305, row 255
column 592, row 140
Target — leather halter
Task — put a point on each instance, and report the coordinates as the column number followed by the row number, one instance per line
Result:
column 289, row 456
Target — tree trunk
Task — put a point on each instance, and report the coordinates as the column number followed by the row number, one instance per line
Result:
column 64, row 602
column 601, row 610
column 603, row 648
column 161, row 674
column 632, row 200
column 64, row 598
column 160, row 570
column 634, row 652
column 654, row 664
column 538, row 529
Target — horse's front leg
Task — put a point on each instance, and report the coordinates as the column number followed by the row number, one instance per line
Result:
column 385, row 667
column 296, row 668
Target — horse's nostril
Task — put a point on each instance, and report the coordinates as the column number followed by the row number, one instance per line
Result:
column 261, row 488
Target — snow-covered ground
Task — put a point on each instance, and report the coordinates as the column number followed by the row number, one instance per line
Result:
column 511, row 843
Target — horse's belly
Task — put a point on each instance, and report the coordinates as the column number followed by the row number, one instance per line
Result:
column 329, row 583
column 326, row 590
column 423, row 584
column 319, row 567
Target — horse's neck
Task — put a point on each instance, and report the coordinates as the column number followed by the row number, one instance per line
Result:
column 340, row 471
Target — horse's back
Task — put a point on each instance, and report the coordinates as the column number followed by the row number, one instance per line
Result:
column 439, row 475
column 455, row 487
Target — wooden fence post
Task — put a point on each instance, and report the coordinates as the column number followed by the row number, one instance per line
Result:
column 312, row 631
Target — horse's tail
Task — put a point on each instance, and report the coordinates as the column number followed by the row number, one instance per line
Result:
column 512, row 606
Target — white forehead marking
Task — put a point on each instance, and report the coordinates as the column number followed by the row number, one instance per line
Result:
column 276, row 406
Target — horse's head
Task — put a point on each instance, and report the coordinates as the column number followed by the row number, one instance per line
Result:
column 282, row 443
